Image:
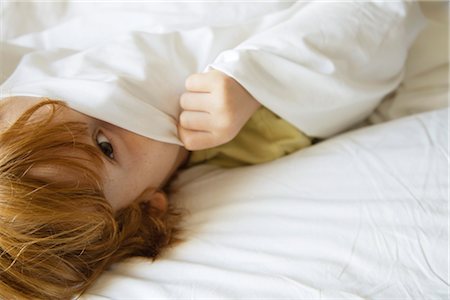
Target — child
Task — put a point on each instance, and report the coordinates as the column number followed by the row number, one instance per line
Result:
column 81, row 180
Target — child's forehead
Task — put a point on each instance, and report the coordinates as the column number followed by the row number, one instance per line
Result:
column 65, row 174
column 62, row 140
column 13, row 107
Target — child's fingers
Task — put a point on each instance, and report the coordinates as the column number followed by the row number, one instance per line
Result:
column 194, row 120
column 198, row 82
column 196, row 101
column 195, row 140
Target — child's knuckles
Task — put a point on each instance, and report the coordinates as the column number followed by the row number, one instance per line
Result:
column 184, row 100
column 191, row 81
column 190, row 139
column 224, row 84
column 184, row 140
column 194, row 143
column 217, row 75
column 187, row 140
column 187, row 83
column 184, row 119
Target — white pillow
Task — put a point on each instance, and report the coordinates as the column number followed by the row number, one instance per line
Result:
column 425, row 86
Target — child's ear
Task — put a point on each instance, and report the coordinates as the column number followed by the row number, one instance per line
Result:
column 158, row 202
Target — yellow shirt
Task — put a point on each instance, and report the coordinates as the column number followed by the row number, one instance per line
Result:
column 264, row 137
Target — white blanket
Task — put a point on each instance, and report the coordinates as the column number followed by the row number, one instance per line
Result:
column 310, row 62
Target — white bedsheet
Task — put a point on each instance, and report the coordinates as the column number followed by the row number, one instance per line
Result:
column 361, row 216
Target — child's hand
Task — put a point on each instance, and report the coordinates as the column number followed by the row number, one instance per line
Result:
column 214, row 110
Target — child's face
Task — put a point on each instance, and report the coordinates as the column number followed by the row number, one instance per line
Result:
column 134, row 165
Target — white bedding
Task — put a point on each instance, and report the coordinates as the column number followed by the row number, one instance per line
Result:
column 310, row 62
column 363, row 215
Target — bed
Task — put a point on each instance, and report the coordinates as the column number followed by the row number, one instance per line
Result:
column 361, row 215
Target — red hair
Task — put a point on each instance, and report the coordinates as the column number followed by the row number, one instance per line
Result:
column 56, row 237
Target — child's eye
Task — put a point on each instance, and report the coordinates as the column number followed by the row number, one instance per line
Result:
column 104, row 145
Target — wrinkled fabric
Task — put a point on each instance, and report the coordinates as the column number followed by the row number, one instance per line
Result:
column 363, row 215
column 321, row 66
